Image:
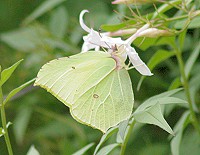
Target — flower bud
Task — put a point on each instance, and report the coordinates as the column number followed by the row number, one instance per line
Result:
column 154, row 32
column 132, row 1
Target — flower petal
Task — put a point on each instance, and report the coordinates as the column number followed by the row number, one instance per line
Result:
column 81, row 21
column 139, row 65
column 112, row 41
column 87, row 46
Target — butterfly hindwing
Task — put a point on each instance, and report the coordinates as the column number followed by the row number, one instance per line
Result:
column 107, row 103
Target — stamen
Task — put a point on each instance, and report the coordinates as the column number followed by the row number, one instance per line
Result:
column 135, row 35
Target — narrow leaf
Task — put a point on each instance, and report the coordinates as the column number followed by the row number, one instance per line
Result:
column 158, row 57
column 84, row 149
column 107, row 149
column 166, row 94
column 16, row 90
column 6, row 73
column 109, row 133
column 153, row 115
column 163, row 100
column 43, row 8
column 175, row 84
column 190, row 62
column 178, row 129
column 32, row 151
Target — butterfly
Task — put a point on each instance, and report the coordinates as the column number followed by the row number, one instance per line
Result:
column 97, row 92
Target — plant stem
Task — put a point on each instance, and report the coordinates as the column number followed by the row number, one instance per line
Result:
column 126, row 138
column 187, row 91
column 3, row 119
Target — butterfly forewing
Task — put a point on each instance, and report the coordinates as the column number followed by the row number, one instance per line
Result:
column 63, row 77
column 96, row 92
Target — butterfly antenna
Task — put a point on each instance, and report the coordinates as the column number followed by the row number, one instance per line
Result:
column 104, row 41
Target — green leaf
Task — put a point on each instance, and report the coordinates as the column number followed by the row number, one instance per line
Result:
column 58, row 22
column 1, row 131
column 153, row 115
column 178, row 129
column 6, row 73
column 32, row 151
column 116, row 27
column 26, row 38
column 43, row 8
column 145, row 43
column 122, row 131
column 158, row 57
column 175, row 84
column 166, row 94
column 21, row 123
column 165, row 7
column 107, row 149
column 195, row 23
column 108, row 134
column 191, row 60
column 16, row 90
column 84, row 149
column 163, row 100
column 166, row 41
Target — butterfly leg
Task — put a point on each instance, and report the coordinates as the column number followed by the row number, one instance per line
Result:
column 128, row 68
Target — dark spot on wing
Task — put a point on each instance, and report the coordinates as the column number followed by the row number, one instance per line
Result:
column 96, row 96
column 73, row 67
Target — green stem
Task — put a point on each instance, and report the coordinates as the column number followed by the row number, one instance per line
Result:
column 3, row 119
column 123, row 146
column 187, row 91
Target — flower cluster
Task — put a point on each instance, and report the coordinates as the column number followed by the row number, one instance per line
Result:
column 95, row 40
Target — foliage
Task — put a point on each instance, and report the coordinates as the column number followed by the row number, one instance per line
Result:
column 40, row 31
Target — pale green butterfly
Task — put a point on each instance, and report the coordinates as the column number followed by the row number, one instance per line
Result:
column 98, row 93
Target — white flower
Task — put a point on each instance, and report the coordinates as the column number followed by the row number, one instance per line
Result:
column 95, row 40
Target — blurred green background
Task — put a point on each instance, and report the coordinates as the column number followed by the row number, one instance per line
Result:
column 39, row 118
